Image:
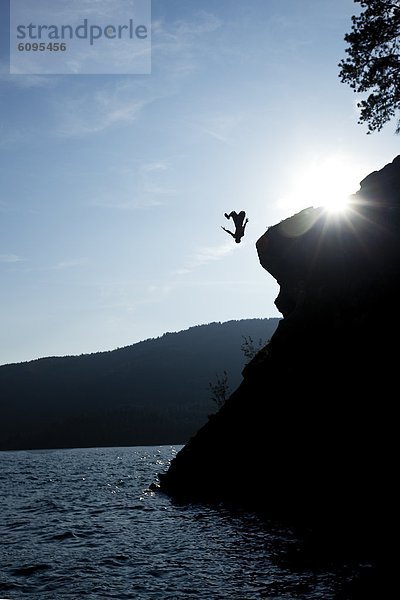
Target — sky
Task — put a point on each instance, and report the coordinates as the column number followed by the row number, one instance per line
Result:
column 114, row 187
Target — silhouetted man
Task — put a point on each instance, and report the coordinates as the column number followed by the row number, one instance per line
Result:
column 240, row 224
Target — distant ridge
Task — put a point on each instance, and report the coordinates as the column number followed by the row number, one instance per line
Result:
column 153, row 392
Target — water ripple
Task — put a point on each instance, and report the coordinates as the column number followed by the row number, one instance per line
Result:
column 83, row 523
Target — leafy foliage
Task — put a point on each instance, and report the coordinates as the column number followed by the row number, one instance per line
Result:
column 220, row 389
column 250, row 348
column 373, row 63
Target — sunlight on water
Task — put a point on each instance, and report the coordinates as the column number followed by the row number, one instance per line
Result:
column 84, row 523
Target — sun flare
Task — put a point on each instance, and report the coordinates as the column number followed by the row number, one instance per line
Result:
column 329, row 183
column 339, row 202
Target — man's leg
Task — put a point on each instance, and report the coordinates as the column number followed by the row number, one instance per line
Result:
column 240, row 218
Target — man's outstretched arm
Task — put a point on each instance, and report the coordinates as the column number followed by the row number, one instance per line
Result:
column 227, row 231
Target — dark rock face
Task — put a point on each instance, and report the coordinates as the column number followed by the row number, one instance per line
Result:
column 309, row 436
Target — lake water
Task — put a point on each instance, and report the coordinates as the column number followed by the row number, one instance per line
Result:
column 83, row 523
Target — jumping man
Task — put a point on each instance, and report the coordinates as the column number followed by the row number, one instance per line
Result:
column 240, row 225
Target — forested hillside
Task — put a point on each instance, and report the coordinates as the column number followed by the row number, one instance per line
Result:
column 153, row 392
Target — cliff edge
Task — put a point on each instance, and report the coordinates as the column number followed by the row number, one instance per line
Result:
column 309, row 435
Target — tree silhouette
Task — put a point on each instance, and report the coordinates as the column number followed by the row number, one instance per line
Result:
column 373, row 63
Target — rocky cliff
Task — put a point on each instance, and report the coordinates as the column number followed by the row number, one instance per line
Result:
column 309, row 435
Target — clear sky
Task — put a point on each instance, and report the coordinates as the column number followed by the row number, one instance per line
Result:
column 113, row 188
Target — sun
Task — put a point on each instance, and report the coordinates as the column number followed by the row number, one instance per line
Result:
column 327, row 183
column 339, row 203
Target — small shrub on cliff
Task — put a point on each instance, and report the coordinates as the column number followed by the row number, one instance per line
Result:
column 250, row 348
column 220, row 389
